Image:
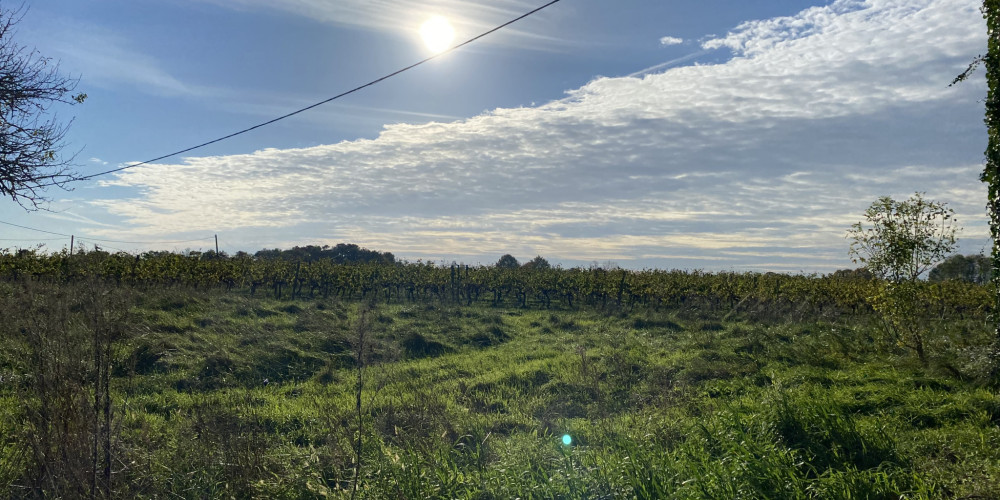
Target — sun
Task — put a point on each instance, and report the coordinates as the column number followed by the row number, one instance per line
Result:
column 437, row 34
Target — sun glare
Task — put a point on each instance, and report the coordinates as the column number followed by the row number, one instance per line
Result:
column 437, row 34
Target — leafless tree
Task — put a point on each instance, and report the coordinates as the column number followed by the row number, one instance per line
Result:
column 31, row 136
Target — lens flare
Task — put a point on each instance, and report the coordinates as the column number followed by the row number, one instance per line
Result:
column 437, row 34
column 567, row 440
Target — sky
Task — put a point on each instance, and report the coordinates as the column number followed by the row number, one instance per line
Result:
column 737, row 135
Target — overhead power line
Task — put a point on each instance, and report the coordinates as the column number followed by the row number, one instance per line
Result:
column 81, row 240
column 34, row 229
column 32, row 239
column 146, row 242
column 320, row 103
column 102, row 240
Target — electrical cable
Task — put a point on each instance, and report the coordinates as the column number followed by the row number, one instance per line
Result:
column 101, row 247
column 29, row 239
column 102, row 240
column 33, row 229
column 320, row 103
column 150, row 242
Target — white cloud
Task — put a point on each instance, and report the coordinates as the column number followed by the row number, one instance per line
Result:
column 761, row 162
column 671, row 40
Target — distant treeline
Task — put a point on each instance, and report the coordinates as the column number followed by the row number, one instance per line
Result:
column 342, row 253
column 969, row 268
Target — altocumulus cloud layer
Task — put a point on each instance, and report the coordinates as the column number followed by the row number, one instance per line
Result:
column 761, row 162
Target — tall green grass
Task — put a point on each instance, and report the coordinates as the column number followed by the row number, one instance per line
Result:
column 223, row 395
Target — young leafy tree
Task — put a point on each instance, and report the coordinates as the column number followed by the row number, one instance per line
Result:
column 30, row 138
column 903, row 239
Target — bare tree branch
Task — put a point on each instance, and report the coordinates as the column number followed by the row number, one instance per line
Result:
column 31, row 136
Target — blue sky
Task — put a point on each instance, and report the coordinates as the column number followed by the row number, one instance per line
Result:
column 735, row 135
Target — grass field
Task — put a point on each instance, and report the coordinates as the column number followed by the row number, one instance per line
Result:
column 216, row 394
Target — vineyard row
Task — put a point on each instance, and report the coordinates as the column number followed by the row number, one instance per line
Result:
column 540, row 288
